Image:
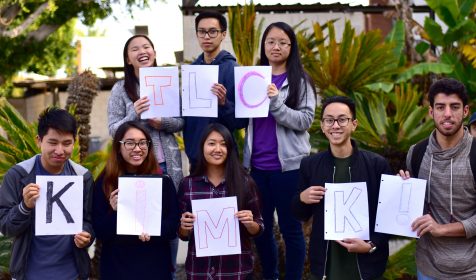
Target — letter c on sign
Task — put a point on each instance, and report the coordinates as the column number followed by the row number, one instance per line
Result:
column 240, row 89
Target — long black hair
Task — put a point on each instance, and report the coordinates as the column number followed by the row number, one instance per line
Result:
column 294, row 68
column 130, row 79
column 238, row 182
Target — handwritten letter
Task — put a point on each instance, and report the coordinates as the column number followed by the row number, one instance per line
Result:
column 216, row 230
column 346, row 211
column 161, row 86
column 139, row 206
column 251, row 97
column 59, row 209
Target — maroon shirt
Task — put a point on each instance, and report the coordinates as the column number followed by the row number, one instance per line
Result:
column 218, row 267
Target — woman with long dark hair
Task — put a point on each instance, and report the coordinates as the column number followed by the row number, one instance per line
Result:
column 220, row 174
column 125, row 105
column 126, row 256
column 275, row 145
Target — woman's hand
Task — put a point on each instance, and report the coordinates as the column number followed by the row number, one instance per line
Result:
column 186, row 221
column 272, row 90
column 141, row 105
column 113, row 199
column 246, row 218
column 144, row 237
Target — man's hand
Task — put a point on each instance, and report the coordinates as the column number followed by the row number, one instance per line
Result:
column 355, row 245
column 404, row 174
column 30, row 194
column 426, row 224
column 313, row 194
column 220, row 91
column 82, row 239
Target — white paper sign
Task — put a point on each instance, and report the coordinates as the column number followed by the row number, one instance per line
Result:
column 197, row 97
column 346, row 211
column 400, row 202
column 59, row 209
column 251, row 97
column 216, row 230
column 161, row 86
column 139, row 206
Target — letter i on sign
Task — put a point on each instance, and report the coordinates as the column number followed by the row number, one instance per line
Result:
column 141, row 201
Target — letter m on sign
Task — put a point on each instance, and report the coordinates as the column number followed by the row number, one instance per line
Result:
column 224, row 227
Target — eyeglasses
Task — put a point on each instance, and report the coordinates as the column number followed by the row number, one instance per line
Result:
column 212, row 33
column 131, row 145
column 342, row 122
column 271, row 43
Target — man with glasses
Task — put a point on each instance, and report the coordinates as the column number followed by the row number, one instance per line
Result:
column 446, row 248
column 343, row 162
column 210, row 29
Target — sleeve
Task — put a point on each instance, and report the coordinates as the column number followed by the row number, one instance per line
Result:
column 104, row 218
column 253, row 204
column 88, row 190
column 172, row 125
column 117, row 112
column 15, row 218
column 380, row 239
column 300, row 118
column 170, row 209
column 408, row 161
column 184, row 204
column 299, row 209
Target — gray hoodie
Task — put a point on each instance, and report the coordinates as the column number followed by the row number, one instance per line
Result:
column 291, row 128
column 451, row 191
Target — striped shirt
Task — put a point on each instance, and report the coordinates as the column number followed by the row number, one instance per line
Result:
column 227, row 267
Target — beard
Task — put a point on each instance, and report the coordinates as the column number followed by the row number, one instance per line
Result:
column 458, row 124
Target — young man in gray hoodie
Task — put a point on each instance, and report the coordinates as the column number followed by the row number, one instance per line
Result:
column 447, row 230
column 48, row 256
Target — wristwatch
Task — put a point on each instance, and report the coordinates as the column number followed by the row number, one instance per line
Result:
column 373, row 247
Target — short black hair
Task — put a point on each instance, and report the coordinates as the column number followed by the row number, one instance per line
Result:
column 58, row 119
column 339, row 99
column 211, row 14
column 448, row 86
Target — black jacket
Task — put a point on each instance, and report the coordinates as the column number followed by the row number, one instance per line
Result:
column 318, row 169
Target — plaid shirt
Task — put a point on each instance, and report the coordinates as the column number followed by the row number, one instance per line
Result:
column 227, row 267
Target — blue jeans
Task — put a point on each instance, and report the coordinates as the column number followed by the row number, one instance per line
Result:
column 277, row 190
column 422, row 276
column 174, row 249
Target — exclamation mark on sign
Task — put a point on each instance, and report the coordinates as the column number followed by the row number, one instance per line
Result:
column 403, row 217
column 141, row 202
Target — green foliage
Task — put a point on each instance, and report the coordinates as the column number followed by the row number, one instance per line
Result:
column 19, row 144
column 244, row 34
column 456, row 42
column 401, row 265
column 45, row 44
column 348, row 66
column 5, row 248
column 394, row 120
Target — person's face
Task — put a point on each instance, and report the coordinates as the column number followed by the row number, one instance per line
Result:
column 277, row 46
column 207, row 44
column 56, row 148
column 448, row 113
column 472, row 129
column 342, row 126
column 140, row 53
column 214, row 149
column 134, row 154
